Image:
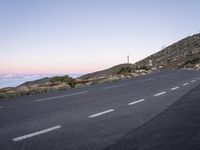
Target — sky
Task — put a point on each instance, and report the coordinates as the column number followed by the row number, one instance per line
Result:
column 82, row 36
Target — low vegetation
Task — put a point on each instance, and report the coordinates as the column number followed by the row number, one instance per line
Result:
column 125, row 70
column 54, row 84
column 64, row 79
column 61, row 83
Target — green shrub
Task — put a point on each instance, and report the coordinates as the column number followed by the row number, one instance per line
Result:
column 65, row 79
column 124, row 70
column 142, row 68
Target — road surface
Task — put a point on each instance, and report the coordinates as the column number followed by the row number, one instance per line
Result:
column 91, row 118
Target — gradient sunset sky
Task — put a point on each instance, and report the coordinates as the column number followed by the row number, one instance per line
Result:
column 81, row 36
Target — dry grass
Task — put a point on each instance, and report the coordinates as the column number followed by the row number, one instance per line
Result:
column 64, row 83
column 31, row 90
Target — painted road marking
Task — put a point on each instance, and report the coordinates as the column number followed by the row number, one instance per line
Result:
column 67, row 95
column 193, row 81
column 174, row 88
column 115, row 86
column 135, row 102
column 161, row 93
column 101, row 113
column 185, row 84
column 36, row 133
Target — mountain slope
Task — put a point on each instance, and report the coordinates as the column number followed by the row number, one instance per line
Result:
column 106, row 72
column 182, row 54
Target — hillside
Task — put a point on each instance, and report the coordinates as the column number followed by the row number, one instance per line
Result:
column 182, row 54
column 106, row 72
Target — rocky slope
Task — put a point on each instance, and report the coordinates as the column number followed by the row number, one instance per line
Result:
column 182, row 54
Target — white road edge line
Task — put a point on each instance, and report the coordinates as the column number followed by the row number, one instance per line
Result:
column 67, row 95
column 161, row 93
column 193, row 81
column 101, row 113
column 36, row 133
column 175, row 88
column 185, row 84
column 114, row 86
column 135, row 102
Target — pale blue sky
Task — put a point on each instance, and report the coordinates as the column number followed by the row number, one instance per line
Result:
column 80, row 36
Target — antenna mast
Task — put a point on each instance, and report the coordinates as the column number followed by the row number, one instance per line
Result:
column 128, row 58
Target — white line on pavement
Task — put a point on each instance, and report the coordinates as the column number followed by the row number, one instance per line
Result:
column 135, row 102
column 36, row 133
column 174, row 88
column 101, row 113
column 161, row 93
column 193, row 81
column 114, row 86
column 67, row 95
column 185, row 84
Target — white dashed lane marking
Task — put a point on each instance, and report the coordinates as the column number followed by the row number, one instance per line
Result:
column 36, row 133
column 185, row 84
column 101, row 113
column 161, row 93
column 174, row 88
column 193, row 81
column 135, row 102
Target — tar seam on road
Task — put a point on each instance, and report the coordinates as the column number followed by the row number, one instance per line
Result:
column 36, row 133
column 101, row 113
column 174, row 88
column 185, row 84
column 146, row 80
column 67, row 95
column 115, row 86
column 135, row 102
column 161, row 93
column 163, row 76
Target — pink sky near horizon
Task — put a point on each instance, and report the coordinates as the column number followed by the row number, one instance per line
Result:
column 50, row 69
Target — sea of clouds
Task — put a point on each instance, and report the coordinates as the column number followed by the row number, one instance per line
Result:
column 13, row 80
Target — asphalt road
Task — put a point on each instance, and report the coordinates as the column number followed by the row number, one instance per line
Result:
column 177, row 128
column 91, row 118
